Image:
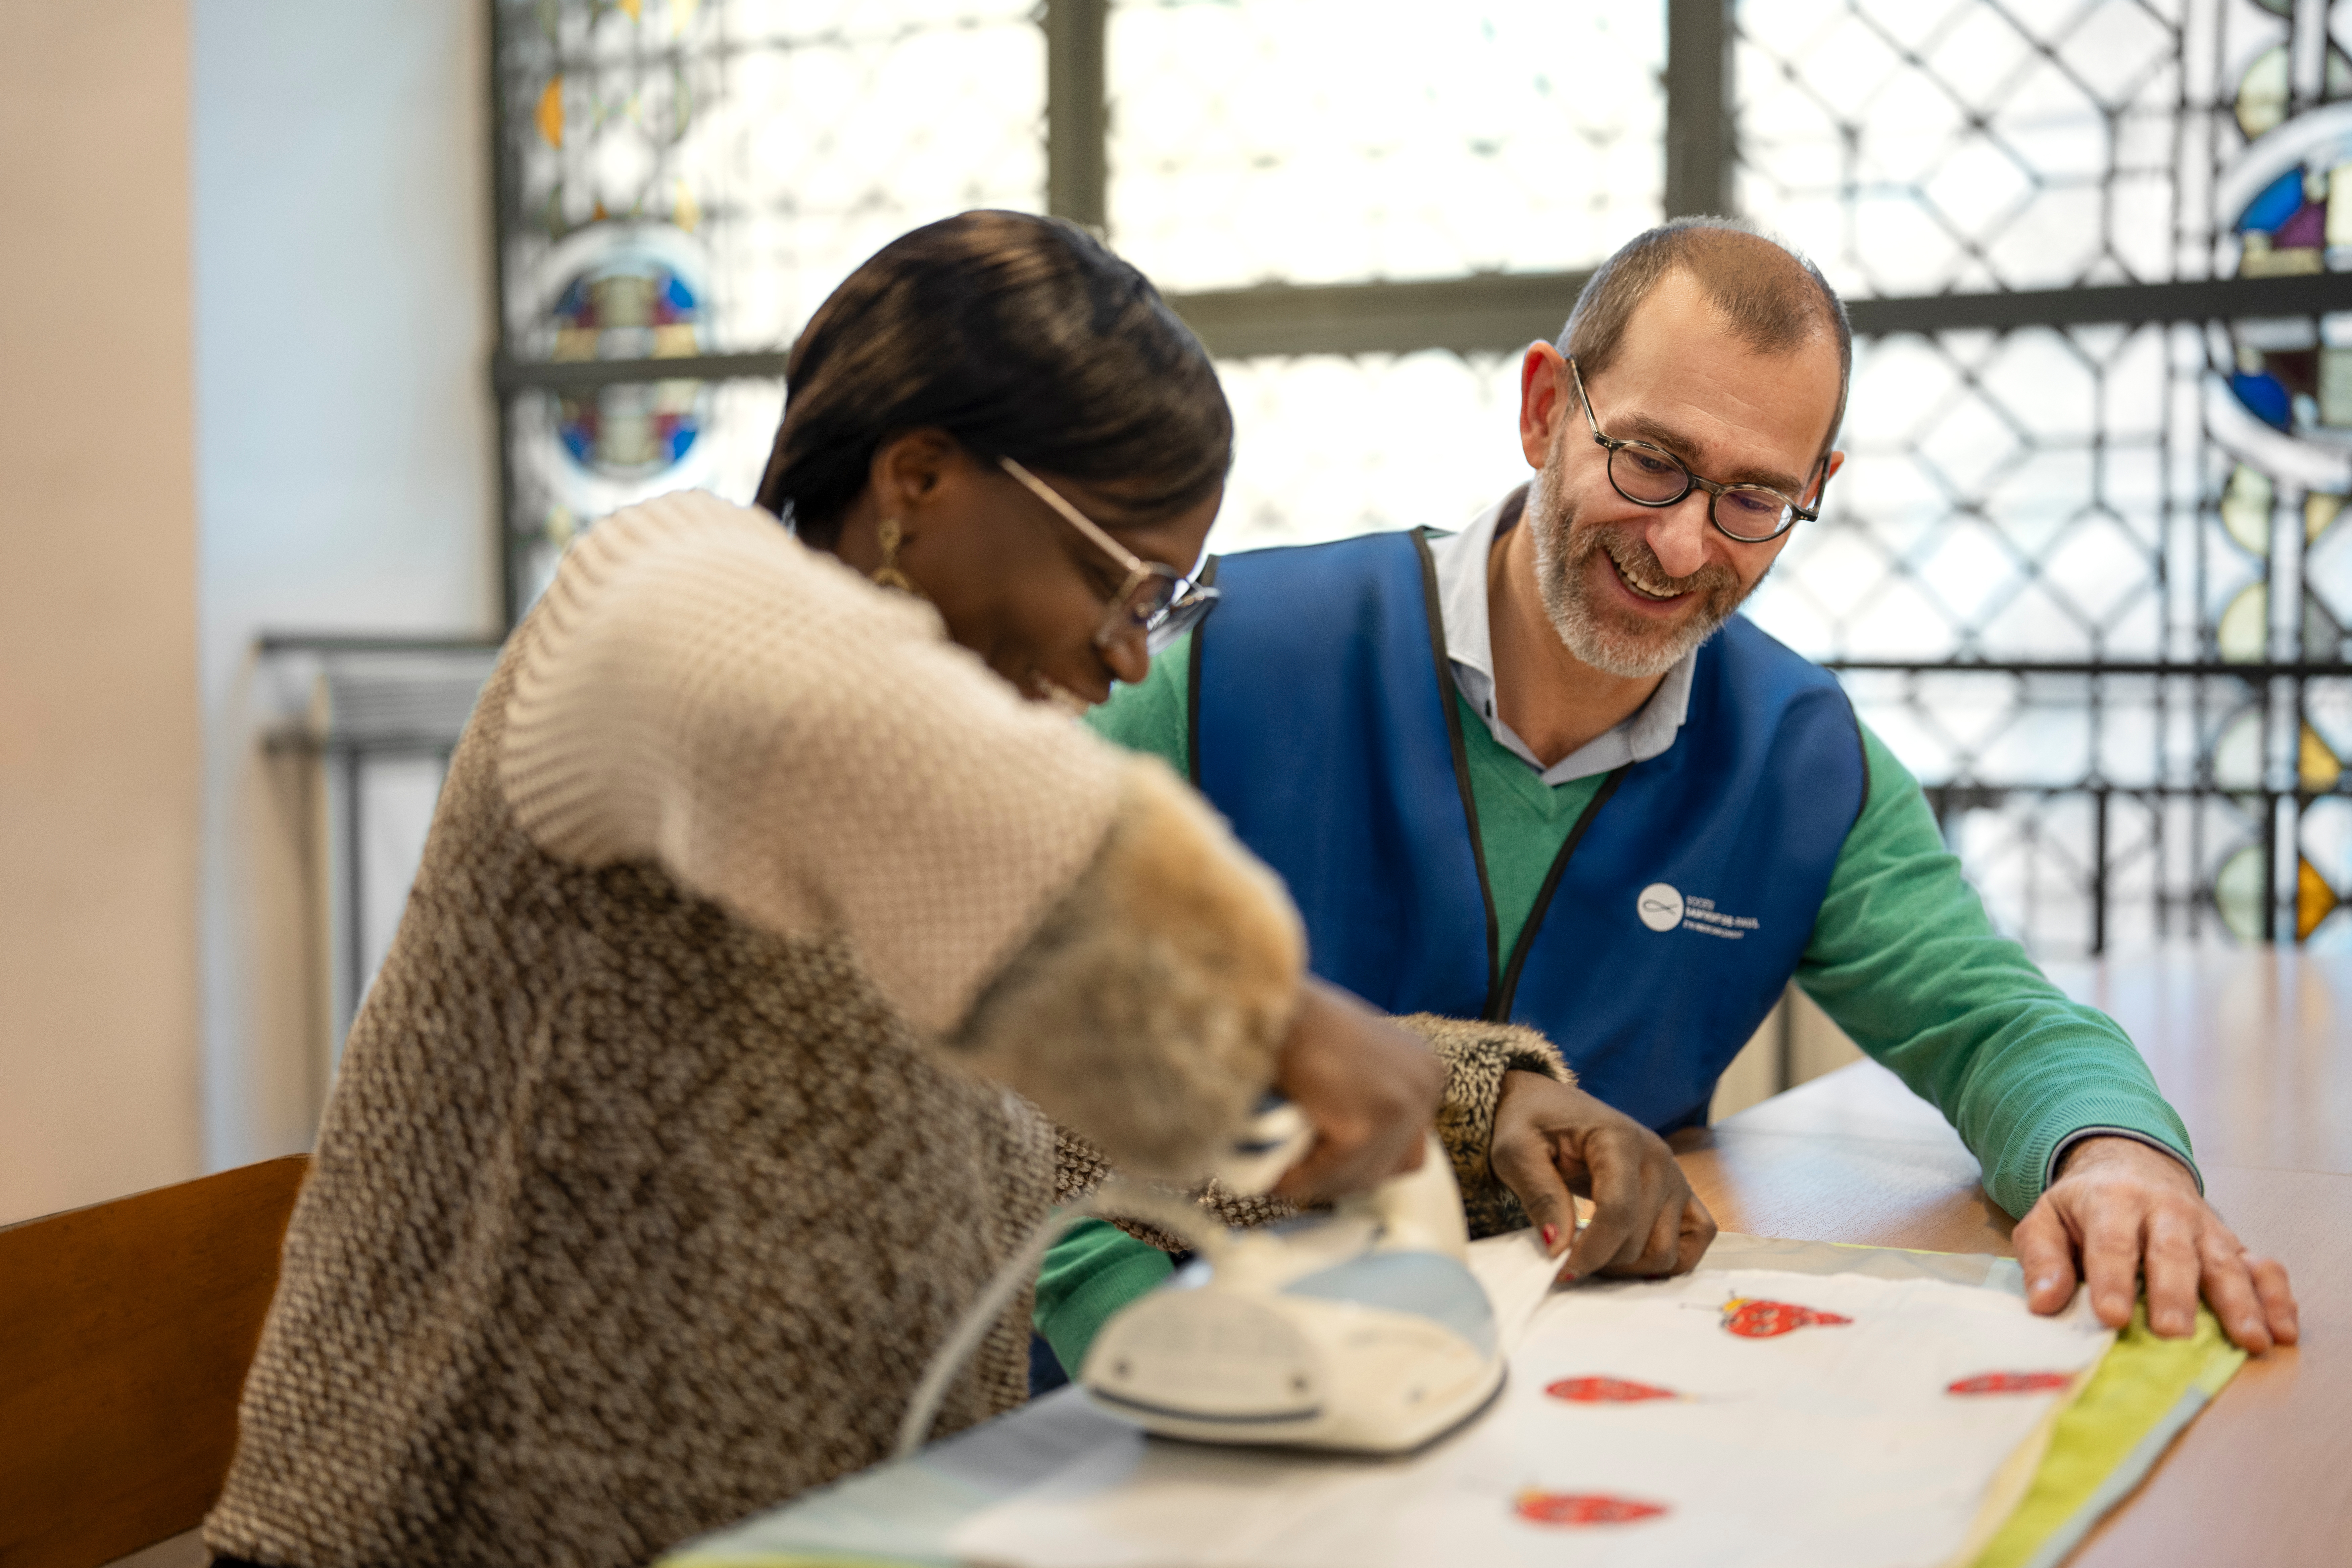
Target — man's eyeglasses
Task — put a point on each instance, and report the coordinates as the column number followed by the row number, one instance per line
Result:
column 1651, row 475
column 1155, row 599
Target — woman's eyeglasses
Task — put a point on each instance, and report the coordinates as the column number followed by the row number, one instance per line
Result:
column 1651, row 475
column 1155, row 599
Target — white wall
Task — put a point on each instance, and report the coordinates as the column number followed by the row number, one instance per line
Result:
column 346, row 476
column 98, row 698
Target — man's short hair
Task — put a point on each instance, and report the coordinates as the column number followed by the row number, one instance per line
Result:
column 1773, row 297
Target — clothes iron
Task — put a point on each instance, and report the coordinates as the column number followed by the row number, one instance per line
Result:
column 1362, row 1330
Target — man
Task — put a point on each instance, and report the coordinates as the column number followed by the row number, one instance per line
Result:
column 1540, row 772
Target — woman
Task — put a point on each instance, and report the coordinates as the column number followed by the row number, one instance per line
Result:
column 678, row 1130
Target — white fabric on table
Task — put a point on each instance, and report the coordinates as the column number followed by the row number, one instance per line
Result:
column 1833, row 1446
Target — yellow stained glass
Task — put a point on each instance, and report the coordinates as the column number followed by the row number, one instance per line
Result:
column 2258, row 260
column 2319, row 514
column 2318, row 765
column 2314, row 901
column 2246, row 507
column 633, row 9
column 687, row 212
column 550, row 112
column 2244, row 634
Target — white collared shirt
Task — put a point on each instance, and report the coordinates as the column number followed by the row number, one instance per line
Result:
column 1461, row 562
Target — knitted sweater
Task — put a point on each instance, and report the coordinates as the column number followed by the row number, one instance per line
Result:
column 701, row 1090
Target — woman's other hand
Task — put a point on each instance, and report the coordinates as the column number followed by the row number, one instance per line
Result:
column 1646, row 1221
column 1368, row 1088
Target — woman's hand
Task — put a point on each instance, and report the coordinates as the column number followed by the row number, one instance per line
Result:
column 1646, row 1221
column 1368, row 1088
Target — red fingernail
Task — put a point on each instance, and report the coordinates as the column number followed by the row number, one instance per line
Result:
column 1551, row 1234
column 1567, row 1277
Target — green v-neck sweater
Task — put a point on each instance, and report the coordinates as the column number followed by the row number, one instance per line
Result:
column 1903, row 957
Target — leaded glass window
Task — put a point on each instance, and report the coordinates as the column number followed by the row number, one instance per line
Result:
column 690, row 181
column 2095, row 518
column 2084, row 570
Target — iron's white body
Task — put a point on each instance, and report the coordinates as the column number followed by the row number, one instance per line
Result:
column 1363, row 1330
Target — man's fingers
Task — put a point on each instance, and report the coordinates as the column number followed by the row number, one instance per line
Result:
column 2111, row 1261
column 2277, row 1297
column 2046, row 1253
column 2230, row 1289
column 2172, row 1265
column 1523, row 1162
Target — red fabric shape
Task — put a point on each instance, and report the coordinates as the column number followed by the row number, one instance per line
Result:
column 1765, row 1319
column 2011, row 1382
column 1579, row 1509
column 1605, row 1390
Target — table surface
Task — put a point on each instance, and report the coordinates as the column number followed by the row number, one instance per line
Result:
column 2254, row 1049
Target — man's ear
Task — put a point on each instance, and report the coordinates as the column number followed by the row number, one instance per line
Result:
column 1544, row 395
column 1829, row 471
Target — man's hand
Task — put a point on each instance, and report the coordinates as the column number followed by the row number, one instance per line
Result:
column 1370, row 1089
column 2124, row 1207
column 1646, row 1221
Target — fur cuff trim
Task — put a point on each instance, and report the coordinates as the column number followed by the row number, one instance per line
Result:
column 1476, row 1055
column 1149, row 1008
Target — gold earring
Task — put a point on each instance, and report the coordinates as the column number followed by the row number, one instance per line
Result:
column 892, row 534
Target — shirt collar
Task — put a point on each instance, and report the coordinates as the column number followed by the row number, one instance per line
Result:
column 1460, row 560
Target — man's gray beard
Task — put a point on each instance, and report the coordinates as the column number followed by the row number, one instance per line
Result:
column 1629, row 651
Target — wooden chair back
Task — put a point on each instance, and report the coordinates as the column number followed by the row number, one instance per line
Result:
column 125, row 1330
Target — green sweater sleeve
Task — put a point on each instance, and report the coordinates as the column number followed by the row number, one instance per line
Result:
column 1150, row 716
column 1091, row 1272
column 1905, row 959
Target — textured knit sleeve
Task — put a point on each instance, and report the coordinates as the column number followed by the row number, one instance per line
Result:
column 1476, row 1055
column 811, row 752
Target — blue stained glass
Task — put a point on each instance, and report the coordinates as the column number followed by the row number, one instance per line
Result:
column 2264, row 396
column 681, row 442
column 578, row 440
column 680, row 296
column 2276, row 205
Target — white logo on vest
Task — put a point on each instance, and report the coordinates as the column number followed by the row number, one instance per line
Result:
column 1662, row 907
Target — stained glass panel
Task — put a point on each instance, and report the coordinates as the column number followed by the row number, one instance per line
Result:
column 2092, row 581
column 2053, row 502
column 694, row 178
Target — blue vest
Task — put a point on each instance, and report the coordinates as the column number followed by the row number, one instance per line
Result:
column 1324, row 726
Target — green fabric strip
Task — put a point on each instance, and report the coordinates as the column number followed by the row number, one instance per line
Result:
column 1090, row 1273
column 2107, row 1440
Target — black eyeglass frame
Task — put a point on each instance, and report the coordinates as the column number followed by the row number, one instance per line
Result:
column 1791, row 513
column 1154, row 599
